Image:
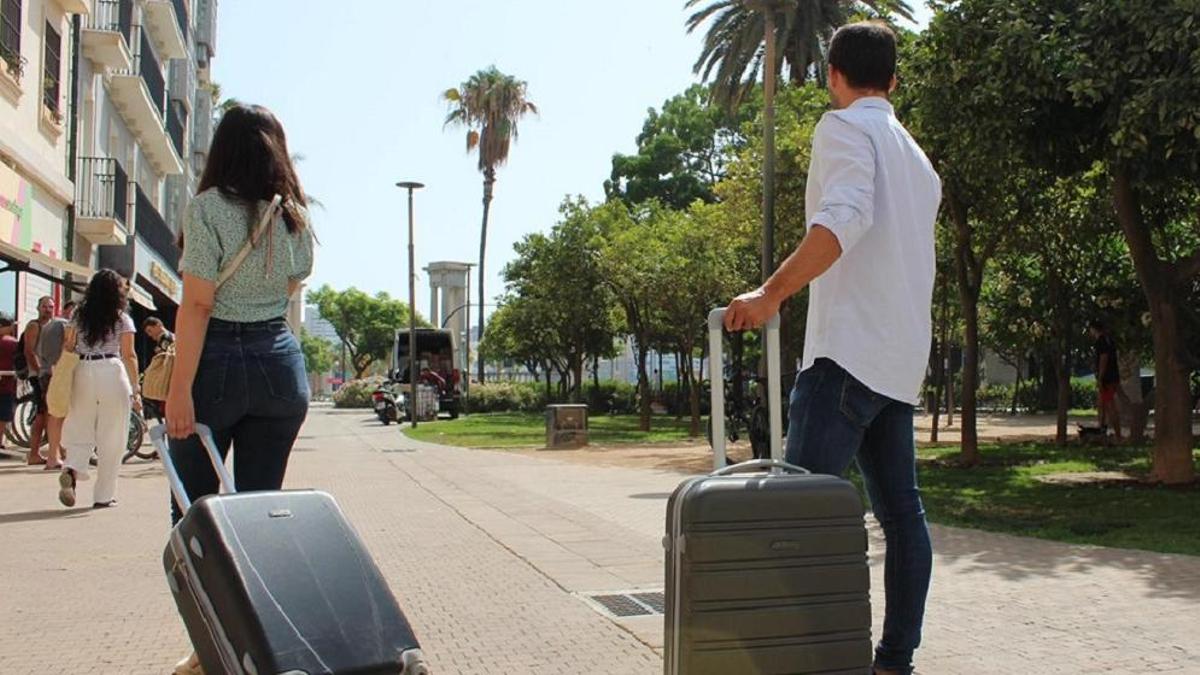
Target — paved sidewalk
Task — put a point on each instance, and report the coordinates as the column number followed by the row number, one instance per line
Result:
column 490, row 552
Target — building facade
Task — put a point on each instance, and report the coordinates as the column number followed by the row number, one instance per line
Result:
column 106, row 116
column 36, row 189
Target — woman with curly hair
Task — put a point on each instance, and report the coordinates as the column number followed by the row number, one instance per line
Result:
column 101, row 333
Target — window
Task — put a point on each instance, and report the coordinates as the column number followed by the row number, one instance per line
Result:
column 51, row 67
column 10, row 36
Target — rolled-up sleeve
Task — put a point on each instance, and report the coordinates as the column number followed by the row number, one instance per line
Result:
column 847, row 157
column 201, row 246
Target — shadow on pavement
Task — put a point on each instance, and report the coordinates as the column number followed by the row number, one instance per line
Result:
column 45, row 514
column 1018, row 558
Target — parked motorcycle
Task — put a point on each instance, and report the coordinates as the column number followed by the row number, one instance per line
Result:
column 385, row 403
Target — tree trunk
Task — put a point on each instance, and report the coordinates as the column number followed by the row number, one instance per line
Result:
column 643, row 388
column 970, row 276
column 596, row 372
column 577, row 378
column 1061, row 321
column 1172, row 456
column 1016, row 390
column 489, row 181
column 943, row 352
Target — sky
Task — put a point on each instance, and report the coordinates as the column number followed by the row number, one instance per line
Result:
column 357, row 85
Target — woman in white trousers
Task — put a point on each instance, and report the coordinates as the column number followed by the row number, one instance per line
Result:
column 102, row 393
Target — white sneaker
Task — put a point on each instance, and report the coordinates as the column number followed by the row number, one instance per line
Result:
column 189, row 666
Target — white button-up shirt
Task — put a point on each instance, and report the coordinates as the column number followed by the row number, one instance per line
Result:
column 872, row 186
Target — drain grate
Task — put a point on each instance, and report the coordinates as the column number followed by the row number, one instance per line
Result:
column 655, row 601
column 623, row 605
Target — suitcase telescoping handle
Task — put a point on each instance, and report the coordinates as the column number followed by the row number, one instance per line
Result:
column 773, row 465
column 716, row 346
column 159, row 436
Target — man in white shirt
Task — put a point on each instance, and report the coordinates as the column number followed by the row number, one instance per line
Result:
column 868, row 255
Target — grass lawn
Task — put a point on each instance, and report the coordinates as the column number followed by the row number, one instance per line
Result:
column 1005, row 495
column 523, row 430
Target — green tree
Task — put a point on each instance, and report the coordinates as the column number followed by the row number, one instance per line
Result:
column 489, row 104
column 319, row 354
column 559, row 274
column 1112, row 85
column 682, row 152
column 365, row 324
column 631, row 266
column 521, row 331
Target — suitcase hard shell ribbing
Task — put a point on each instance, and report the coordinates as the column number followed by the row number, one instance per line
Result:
column 765, row 573
column 279, row 582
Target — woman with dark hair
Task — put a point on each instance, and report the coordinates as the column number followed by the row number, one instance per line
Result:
column 101, row 333
column 247, row 246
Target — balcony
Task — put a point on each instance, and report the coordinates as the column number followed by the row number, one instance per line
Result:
column 102, row 201
column 181, row 83
column 106, row 35
column 153, row 231
column 202, row 130
column 177, row 126
column 206, row 31
column 76, row 6
column 139, row 94
column 166, row 20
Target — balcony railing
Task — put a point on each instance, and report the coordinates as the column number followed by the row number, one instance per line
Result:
column 177, row 125
column 10, row 38
column 181, row 16
column 115, row 16
column 146, row 65
column 152, row 229
column 206, row 30
column 103, row 190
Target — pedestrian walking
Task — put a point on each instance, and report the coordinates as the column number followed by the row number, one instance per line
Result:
column 1108, row 377
column 869, row 258
column 49, row 349
column 157, row 377
column 30, row 346
column 102, row 391
column 247, row 246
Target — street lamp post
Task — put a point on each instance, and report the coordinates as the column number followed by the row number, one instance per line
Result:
column 411, row 186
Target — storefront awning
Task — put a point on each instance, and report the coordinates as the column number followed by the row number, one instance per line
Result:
column 141, row 297
column 21, row 260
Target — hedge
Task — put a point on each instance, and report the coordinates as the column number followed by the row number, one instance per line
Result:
column 356, row 393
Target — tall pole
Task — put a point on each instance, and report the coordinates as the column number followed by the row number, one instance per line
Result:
column 466, row 370
column 412, row 306
column 768, row 234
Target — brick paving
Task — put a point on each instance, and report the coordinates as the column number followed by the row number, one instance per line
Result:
column 490, row 551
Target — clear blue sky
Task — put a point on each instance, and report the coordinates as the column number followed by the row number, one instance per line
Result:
column 357, row 85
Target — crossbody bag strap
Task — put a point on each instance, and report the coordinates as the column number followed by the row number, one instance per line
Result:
column 268, row 217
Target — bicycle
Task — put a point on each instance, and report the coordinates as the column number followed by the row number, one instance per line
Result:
column 20, row 430
column 745, row 406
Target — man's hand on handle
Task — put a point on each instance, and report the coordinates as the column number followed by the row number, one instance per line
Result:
column 750, row 310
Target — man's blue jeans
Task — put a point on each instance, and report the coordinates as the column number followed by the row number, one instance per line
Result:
column 834, row 419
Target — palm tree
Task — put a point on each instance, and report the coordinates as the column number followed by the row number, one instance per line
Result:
column 734, row 43
column 489, row 105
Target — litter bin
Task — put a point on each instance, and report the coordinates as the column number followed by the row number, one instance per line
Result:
column 566, row 426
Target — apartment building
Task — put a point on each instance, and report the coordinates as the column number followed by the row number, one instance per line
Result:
column 36, row 190
column 144, row 127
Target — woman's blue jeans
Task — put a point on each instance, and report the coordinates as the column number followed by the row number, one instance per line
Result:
column 251, row 388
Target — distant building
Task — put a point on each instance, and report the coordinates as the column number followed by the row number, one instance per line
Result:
column 317, row 326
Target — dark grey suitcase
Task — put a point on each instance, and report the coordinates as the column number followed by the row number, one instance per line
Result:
column 279, row 582
column 766, row 565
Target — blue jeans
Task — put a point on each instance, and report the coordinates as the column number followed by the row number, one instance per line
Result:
column 252, row 390
column 834, row 419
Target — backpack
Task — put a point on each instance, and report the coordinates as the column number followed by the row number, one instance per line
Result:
column 20, row 363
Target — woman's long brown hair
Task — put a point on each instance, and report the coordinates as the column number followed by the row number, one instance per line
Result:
column 249, row 162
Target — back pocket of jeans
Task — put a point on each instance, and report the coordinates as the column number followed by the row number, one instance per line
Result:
column 284, row 375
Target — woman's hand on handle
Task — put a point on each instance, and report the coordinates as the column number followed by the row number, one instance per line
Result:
column 181, row 414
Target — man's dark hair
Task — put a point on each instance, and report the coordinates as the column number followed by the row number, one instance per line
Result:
column 5, row 320
column 70, row 304
column 1097, row 325
column 865, row 53
column 152, row 321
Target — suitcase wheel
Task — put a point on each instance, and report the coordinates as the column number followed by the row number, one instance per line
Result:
column 414, row 663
